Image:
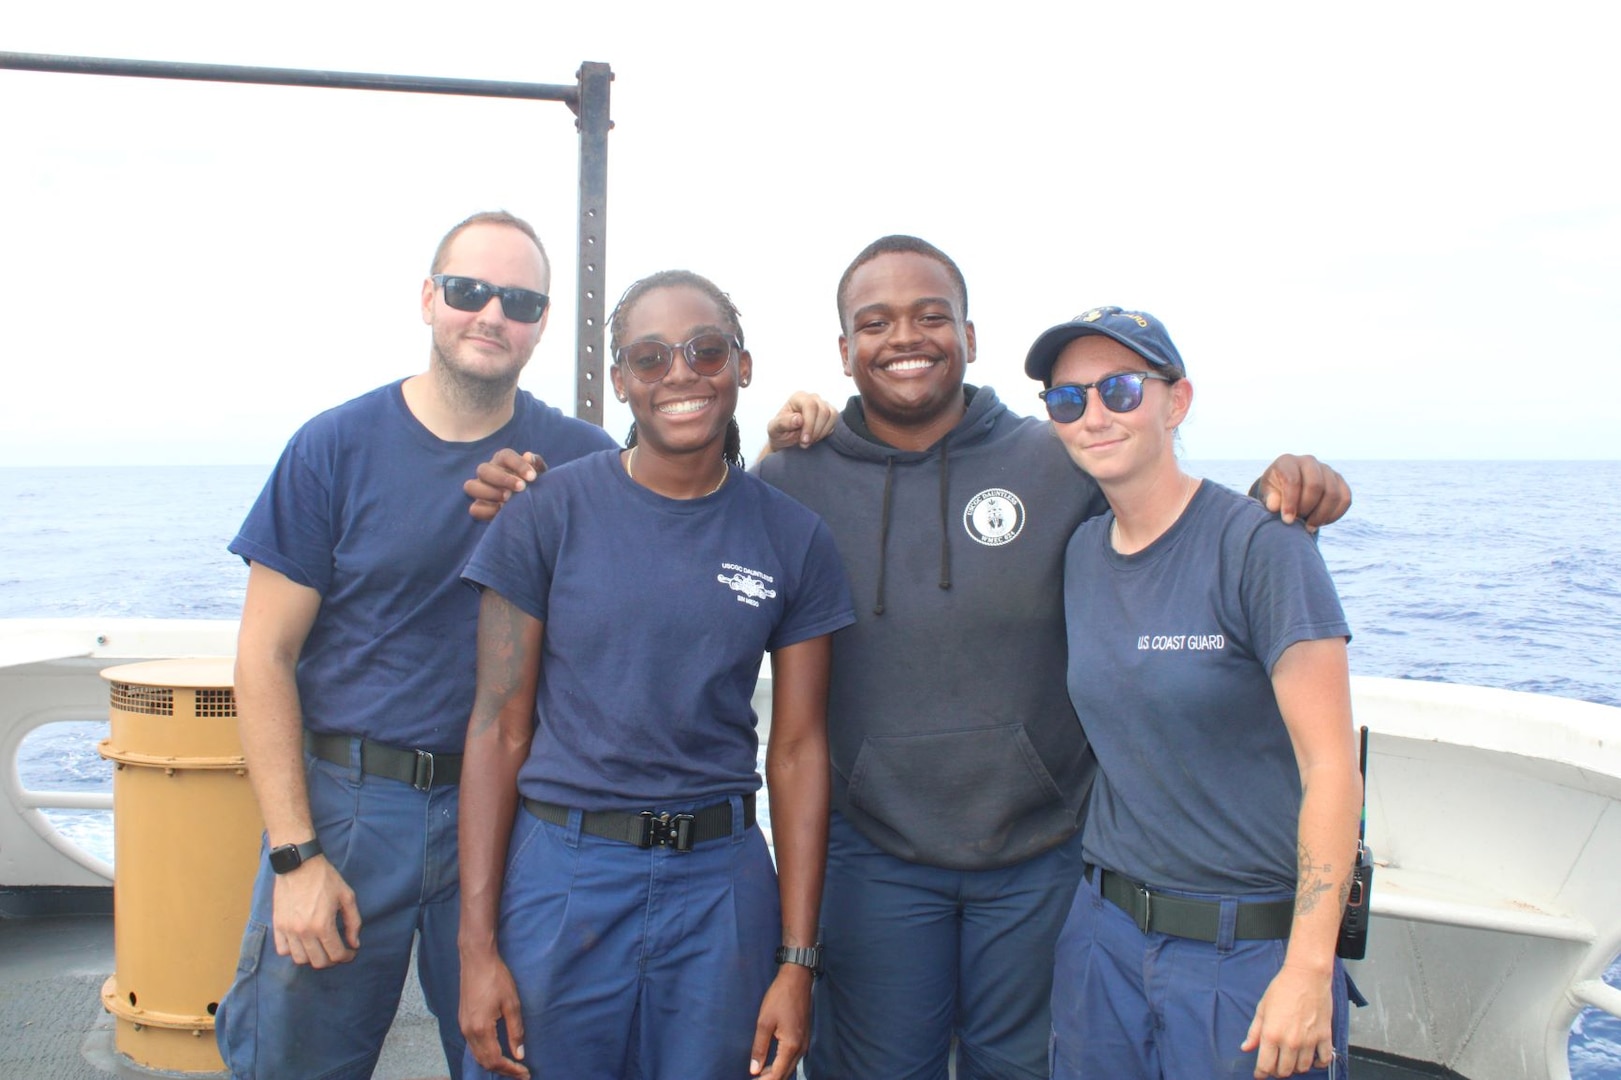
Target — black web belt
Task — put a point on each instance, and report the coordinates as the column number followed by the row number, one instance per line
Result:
column 647, row 829
column 1199, row 920
column 419, row 768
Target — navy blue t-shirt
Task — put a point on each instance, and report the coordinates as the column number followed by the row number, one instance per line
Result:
column 366, row 507
column 1170, row 657
column 657, row 615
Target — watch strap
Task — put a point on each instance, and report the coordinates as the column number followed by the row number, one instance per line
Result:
column 811, row 957
column 289, row 857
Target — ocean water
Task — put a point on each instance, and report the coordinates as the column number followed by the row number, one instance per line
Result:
column 1500, row 574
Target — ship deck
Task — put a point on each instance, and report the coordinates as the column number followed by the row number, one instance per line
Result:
column 52, row 1024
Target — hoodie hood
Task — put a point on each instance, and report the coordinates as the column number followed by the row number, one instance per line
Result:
column 853, row 438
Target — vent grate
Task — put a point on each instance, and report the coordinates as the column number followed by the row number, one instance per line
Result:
column 216, row 703
column 146, row 700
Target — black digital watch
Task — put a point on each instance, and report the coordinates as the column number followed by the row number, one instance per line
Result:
column 289, row 857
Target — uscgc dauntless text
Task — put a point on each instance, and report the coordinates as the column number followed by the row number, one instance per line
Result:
column 749, row 585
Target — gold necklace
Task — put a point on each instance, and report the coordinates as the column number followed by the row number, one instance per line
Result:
column 630, row 471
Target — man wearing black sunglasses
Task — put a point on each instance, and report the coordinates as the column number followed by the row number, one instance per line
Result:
column 960, row 773
column 355, row 670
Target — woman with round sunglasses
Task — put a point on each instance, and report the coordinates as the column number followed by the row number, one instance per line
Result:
column 620, row 911
column 1207, row 664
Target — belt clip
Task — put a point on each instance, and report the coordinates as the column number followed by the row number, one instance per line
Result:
column 1146, row 909
column 665, row 830
column 422, row 775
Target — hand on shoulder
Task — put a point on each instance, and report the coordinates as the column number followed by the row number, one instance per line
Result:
column 498, row 479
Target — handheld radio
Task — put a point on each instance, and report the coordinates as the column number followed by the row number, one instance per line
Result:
column 1353, row 940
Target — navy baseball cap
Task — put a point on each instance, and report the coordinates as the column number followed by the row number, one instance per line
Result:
column 1136, row 330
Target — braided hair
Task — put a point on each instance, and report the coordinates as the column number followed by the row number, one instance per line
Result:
column 669, row 279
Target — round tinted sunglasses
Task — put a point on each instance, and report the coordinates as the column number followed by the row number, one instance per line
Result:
column 471, row 294
column 650, row 361
column 1119, row 393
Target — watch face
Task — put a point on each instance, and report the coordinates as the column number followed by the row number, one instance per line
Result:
column 289, row 857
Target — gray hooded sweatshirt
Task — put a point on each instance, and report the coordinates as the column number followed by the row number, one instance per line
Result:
column 953, row 740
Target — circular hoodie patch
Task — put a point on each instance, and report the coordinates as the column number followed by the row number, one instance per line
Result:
column 993, row 517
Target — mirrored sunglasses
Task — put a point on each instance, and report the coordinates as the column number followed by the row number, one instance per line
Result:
column 1119, row 393
column 471, row 294
column 650, row 361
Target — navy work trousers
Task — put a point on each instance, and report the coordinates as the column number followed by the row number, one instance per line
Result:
column 396, row 847
column 916, row 955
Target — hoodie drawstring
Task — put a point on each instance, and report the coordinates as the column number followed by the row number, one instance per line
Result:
column 884, row 517
column 883, row 534
column 945, row 512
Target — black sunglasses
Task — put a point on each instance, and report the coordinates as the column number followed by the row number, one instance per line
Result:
column 1119, row 393
column 471, row 294
column 707, row 354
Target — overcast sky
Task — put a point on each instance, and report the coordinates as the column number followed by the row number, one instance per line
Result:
column 1382, row 230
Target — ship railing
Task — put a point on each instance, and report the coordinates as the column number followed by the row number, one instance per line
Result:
column 49, row 675
column 1495, row 823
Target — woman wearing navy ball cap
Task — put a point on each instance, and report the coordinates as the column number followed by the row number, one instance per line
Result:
column 1207, row 664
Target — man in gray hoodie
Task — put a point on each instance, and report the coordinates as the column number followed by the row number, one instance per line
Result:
column 960, row 774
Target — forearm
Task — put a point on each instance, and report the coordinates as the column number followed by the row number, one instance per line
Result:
column 1312, row 683
column 1329, row 808
column 270, row 722
column 489, row 802
column 797, row 779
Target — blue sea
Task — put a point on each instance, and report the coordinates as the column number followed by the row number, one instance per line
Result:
column 1494, row 573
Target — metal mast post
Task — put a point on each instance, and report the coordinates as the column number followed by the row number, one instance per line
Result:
column 588, row 98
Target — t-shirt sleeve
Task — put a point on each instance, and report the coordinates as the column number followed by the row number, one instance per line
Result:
column 821, row 604
column 1287, row 592
column 289, row 529
column 518, row 551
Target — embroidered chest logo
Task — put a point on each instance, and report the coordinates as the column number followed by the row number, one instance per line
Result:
column 993, row 517
column 751, row 586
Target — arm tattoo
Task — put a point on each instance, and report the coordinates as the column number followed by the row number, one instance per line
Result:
column 1313, row 882
column 501, row 657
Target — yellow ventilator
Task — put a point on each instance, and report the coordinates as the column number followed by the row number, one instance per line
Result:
column 186, row 834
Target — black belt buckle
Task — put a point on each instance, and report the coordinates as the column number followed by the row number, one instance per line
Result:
column 1145, row 906
column 666, row 830
column 422, row 775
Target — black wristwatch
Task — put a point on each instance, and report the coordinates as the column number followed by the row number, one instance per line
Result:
column 289, row 857
column 811, row 957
